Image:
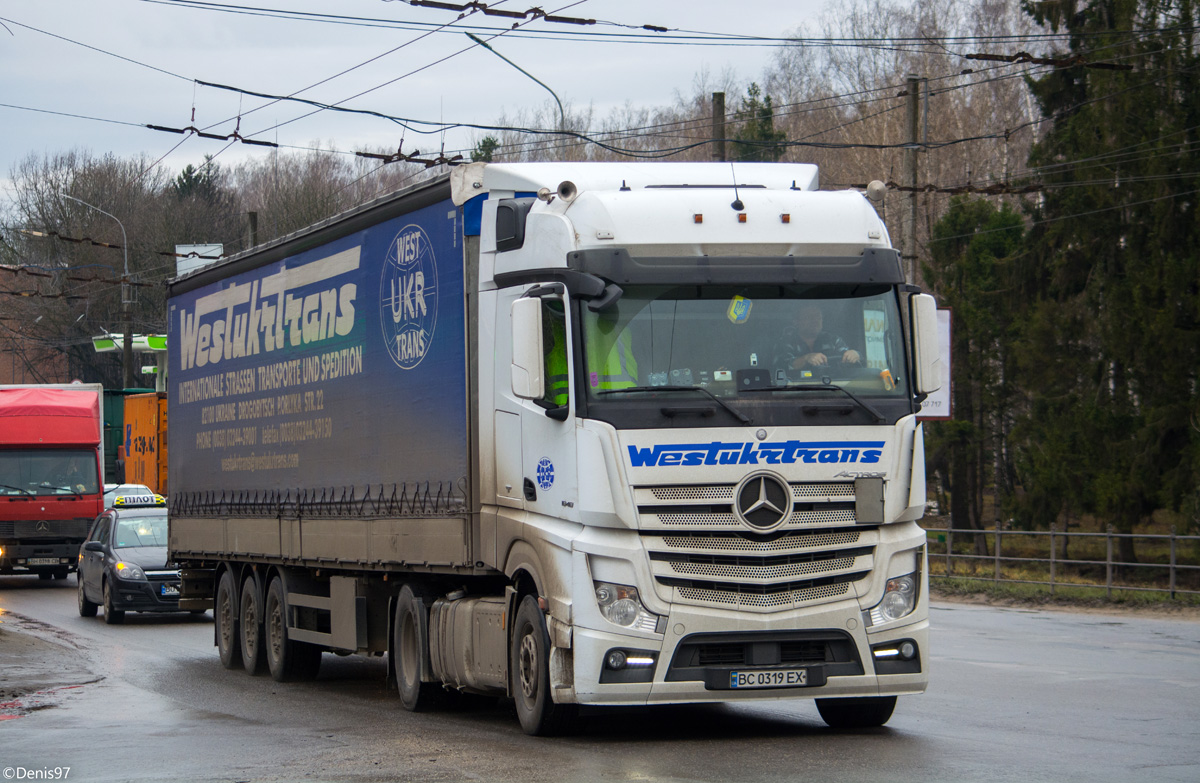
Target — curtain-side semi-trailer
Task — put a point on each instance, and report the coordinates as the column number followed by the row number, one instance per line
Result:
column 51, row 458
column 581, row 434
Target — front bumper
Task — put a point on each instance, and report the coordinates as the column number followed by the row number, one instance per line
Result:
column 695, row 664
column 146, row 596
column 32, row 557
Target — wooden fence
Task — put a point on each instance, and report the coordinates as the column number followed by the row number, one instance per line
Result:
column 1165, row 563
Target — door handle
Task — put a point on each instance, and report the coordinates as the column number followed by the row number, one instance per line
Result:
column 530, row 490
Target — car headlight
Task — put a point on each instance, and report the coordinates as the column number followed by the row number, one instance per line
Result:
column 621, row 605
column 899, row 599
column 130, row 572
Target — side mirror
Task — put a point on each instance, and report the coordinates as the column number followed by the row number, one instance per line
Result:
column 527, row 362
column 93, row 546
column 927, row 357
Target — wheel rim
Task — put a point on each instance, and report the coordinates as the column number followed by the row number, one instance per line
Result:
column 81, row 595
column 275, row 629
column 225, row 612
column 250, row 627
column 528, row 666
column 107, row 599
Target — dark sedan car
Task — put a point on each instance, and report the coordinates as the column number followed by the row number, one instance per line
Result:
column 123, row 563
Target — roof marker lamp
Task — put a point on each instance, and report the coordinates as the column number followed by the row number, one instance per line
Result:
column 130, row 572
column 899, row 599
column 621, row 605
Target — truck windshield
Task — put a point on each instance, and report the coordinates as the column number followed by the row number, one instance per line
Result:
column 747, row 342
column 48, row 472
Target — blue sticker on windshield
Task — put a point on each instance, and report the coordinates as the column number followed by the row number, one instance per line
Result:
column 739, row 309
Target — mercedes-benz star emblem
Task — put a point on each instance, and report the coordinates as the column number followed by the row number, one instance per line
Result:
column 763, row 501
column 42, row 526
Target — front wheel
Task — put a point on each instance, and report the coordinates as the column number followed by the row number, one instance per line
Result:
column 868, row 712
column 86, row 607
column 111, row 616
column 529, row 673
column 225, row 617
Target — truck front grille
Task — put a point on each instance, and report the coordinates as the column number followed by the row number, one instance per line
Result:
column 700, row 549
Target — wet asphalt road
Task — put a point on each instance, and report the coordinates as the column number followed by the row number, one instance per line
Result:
column 1016, row 695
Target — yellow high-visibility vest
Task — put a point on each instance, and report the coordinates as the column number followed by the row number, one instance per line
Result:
column 618, row 369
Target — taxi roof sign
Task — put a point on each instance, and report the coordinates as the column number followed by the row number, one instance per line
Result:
column 139, row 500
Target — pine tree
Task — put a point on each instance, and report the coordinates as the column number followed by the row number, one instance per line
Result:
column 757, row 139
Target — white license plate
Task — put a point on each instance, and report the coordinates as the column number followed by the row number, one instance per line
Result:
column 170, row 590
column 42, row 561
column 773, row 678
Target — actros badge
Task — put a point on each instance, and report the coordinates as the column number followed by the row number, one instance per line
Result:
column 408, row 297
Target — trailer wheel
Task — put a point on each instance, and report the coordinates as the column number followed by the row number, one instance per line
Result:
column 529, row 674
column 252, row 630
column 86, row 607
column 410, row 651
column 287, row 659
column 111, row 616
column 225, row 618
column 860, row 713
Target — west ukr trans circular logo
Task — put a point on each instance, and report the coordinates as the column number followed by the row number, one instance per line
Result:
column 408, row 297
column 545, row 473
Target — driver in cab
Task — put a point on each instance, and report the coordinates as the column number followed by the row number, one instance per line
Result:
column 805, row 344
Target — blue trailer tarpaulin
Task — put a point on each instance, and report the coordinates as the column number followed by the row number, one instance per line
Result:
column 342, row 366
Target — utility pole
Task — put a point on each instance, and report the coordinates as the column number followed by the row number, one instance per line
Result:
column 126, row 294
column 252, row 227
column 718, row 127
column 908, row 227
column 127, row 347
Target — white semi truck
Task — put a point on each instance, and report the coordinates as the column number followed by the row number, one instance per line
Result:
column 575, row 433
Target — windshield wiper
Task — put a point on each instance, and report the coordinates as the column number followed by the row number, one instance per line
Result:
column 72, row 490
column 879, row 417
column 18, row 489
column 743, row 418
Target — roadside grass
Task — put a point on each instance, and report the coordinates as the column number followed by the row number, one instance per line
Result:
column 1065, row 593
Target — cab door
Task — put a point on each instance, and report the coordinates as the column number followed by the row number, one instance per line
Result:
column 544, row 476
column 549, row 480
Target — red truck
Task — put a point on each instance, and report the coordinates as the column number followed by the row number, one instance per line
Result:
column 51, row 458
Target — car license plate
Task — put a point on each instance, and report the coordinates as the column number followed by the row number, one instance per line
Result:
column 773, row 678
column 170, row 591
column 42, row 561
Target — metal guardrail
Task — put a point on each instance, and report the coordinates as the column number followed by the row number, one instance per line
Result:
column 941, row 550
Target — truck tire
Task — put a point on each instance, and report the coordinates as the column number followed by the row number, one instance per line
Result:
column 287, row 659
column 410, row 653
column 111, row 616
column 529, row 675
column 226, row 622
column 253, row 657
column 868, row 712
column 86, row 607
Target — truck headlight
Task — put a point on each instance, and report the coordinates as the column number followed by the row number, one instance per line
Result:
column 899, row 599
column 621, row 605
column 130, row 572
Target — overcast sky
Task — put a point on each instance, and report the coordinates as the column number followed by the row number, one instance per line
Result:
column 90, row 74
